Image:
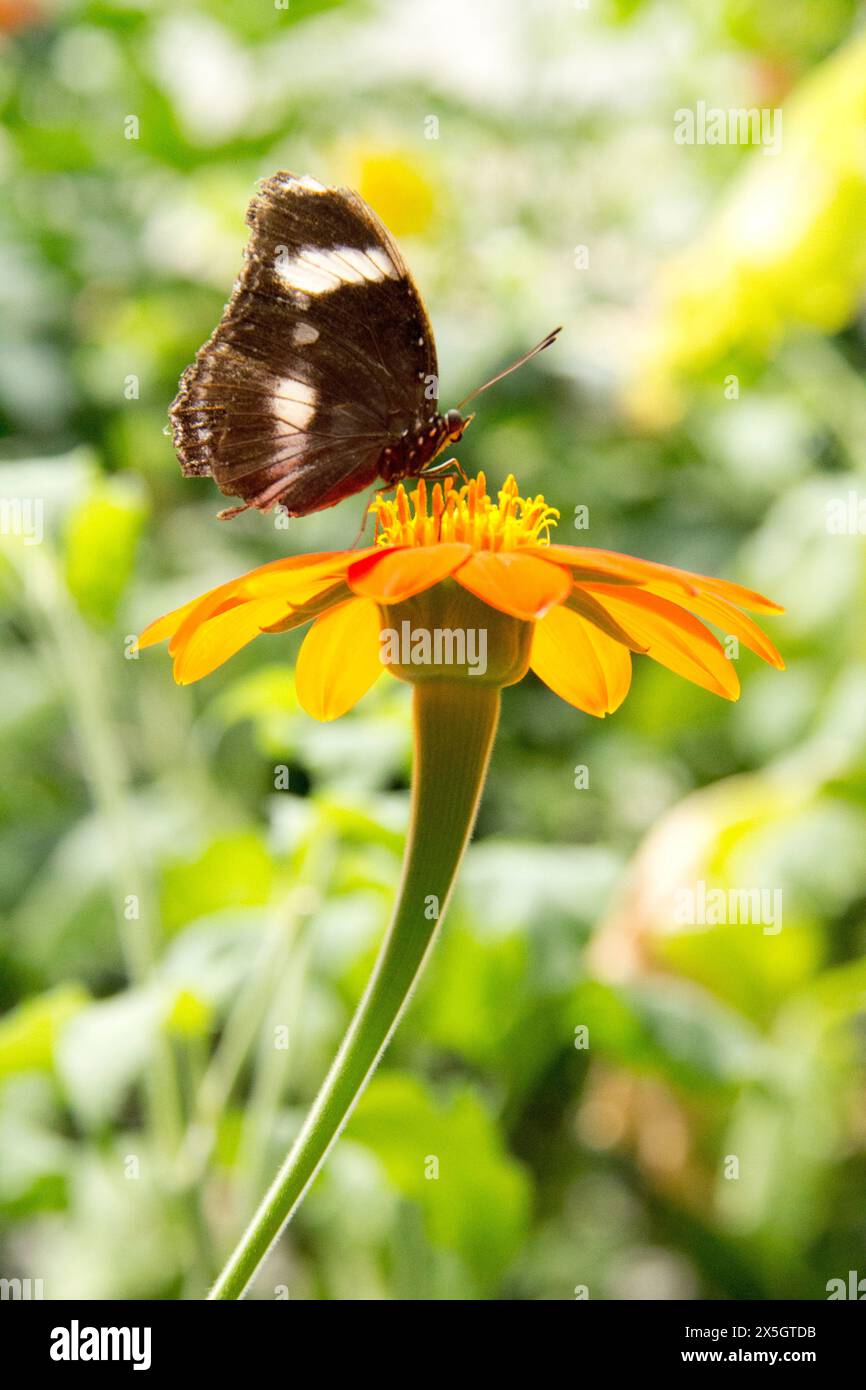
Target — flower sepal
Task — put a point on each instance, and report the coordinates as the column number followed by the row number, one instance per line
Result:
column 448, row 634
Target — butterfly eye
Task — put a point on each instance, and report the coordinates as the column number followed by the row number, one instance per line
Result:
column 454, row 424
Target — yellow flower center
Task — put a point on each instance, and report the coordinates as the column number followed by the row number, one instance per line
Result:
column 464, row 514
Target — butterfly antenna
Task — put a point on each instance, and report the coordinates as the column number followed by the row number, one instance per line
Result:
column 539, row 347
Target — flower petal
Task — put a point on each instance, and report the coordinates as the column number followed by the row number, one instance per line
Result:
column 214, row 641
column 525, row 586
column 339, row 659
column 671, row 637
column 300, row 577
column 605, row 566
column 389, row 576
column 737, row 593
column 296, row 617
column 707, row 583
column 730, row 619
column 295, row 580
column 166, row 626
column 579, row 601
column 580, row 663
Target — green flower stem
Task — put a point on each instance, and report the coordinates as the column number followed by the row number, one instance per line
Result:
column 455, row 724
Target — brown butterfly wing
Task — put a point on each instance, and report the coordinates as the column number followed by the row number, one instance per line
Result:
column 323, row 357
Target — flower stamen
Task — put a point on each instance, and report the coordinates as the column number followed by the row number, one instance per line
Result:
column 466, row 514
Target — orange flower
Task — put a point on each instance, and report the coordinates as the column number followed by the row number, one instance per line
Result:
column 573, row 614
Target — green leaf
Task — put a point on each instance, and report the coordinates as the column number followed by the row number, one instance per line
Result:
column 29, row 1034
column 451, row 1160
column 105, row 1049
column 474, row 992
column 234, row 871
column 101, row 538
column 36, row 1159
column 671, row 1028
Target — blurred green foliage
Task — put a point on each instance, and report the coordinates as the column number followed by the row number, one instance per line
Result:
column 185, row 935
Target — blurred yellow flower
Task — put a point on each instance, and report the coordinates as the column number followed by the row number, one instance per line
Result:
column 395, row 185
column 778, row 255
column 190, row 1016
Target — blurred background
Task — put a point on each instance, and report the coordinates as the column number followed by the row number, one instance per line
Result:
column 194, row 881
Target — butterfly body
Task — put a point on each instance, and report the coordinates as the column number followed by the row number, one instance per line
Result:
column 321, row 376
column 411, row 454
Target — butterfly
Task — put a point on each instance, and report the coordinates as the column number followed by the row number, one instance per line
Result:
column 321, row 376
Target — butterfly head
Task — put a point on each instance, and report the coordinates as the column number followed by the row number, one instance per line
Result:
column 455, row 424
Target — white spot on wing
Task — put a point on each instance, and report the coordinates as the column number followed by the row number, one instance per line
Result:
column 360, row 262
column 318, row 270
column 380, row 258
column 303, row 334
column 306, row 272
column 348, row 264
column 294, row 404
column 307, row 182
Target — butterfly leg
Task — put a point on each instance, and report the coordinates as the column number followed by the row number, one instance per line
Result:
column 365, row 513
column 439, row 468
